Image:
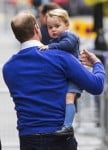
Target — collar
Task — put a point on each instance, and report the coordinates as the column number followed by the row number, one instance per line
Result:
column 30, row 43
column 67, row 30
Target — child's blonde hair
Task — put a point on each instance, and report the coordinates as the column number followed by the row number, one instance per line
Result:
column 61, row 13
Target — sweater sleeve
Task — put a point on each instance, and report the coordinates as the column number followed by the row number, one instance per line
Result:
column 91, row 81
column 66, row 43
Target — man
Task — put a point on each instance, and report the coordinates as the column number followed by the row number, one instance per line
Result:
column 42, row 11
column 0, row 145
column 38, row 81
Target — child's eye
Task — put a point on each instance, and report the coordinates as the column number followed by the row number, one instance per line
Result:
column 49, row 27
column 57, row 26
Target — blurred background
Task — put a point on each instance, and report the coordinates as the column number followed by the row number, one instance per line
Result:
column 89, row 20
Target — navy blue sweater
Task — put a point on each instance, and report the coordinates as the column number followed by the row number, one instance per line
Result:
column 38, row 81
column 68, row 42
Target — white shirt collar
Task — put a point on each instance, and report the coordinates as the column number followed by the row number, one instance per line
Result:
column 67, row 30
column 30, row 43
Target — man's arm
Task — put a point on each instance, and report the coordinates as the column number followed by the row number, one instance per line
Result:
column 92, row 82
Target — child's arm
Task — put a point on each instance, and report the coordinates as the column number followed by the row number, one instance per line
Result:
column 68, row 44
column 65, row 45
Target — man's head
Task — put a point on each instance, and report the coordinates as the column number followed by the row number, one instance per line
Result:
column 43, row 9
column 25, row 27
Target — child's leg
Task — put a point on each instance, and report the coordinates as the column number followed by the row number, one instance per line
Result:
column 70, row 109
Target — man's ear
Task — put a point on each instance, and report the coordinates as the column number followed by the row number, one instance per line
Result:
column 36, row 28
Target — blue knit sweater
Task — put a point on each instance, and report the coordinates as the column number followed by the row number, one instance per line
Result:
column 38, row 81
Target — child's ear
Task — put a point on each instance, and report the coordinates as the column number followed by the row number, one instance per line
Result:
column 67, row 24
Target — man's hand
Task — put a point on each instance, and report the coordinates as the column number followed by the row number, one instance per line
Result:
column 87, row 58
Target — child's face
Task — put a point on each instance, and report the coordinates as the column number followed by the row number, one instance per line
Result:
column 56, row 26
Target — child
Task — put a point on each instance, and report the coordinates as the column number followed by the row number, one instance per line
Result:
column 63, row 39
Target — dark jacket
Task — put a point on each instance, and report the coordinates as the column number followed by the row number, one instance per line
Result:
column 68, row 42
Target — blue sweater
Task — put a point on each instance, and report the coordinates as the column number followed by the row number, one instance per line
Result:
column 37, row 81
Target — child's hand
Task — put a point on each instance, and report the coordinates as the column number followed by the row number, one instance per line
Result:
column 43, row 47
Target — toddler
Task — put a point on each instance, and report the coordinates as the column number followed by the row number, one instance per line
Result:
column 63, row 39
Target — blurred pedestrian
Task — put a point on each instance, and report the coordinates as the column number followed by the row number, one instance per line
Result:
column 65, row 4
column 0, row 145
column 36, row 3
column 45, row 1
column 43, row 9
column 62, row 38
column 38, row 81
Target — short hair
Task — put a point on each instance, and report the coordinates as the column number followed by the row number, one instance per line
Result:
column 47, row 7
column 23, row 26
column 61, row 13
